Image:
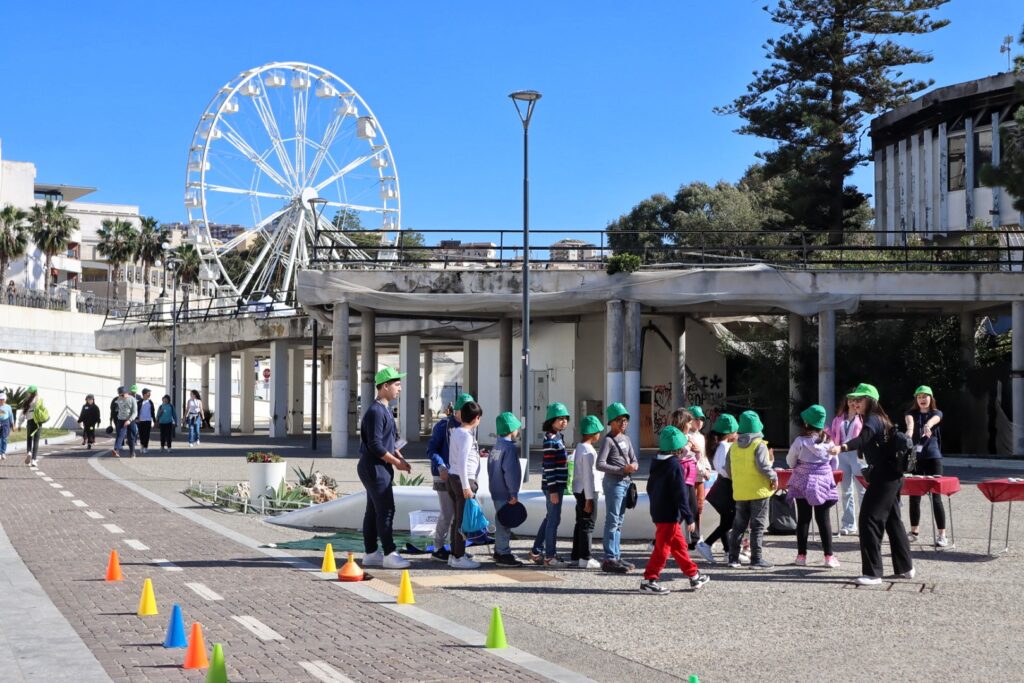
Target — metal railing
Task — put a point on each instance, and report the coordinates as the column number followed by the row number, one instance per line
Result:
column 201, row 309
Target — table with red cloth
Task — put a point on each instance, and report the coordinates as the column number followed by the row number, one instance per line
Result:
column 918, row 485
column 1001, row 491
column 785, row 475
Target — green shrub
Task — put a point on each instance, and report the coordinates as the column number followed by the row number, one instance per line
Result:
column 624, row 263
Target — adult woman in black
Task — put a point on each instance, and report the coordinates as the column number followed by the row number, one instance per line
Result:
column 880, row 508
column 923, row 420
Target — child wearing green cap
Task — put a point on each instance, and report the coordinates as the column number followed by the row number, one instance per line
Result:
column 504, row 479
column 583, row 488
column 618, row 460
column 29, row 411
column 554, row 477
column 438, row 452
column 749, row 465
column 723, row 434
column 922, row 422
column 812, row 485
column 669, row 505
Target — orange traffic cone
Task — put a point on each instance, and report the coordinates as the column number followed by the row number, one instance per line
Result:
column 114, row 568
column 195, row 655
column 350, row 571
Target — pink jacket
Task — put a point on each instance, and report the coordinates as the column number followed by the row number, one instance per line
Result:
column 835, row 429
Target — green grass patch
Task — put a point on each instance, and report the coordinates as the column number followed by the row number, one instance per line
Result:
column 22, row 434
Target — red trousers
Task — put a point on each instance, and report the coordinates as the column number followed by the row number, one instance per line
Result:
column 668, row 539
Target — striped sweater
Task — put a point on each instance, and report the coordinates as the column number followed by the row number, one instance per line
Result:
column 555, row 464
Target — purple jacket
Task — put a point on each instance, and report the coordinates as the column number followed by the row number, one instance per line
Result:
column 812, row 477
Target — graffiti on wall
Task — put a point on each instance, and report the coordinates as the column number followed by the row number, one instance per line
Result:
column 706, row 391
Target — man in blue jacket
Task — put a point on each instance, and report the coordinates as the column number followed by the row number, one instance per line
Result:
column 437, row 449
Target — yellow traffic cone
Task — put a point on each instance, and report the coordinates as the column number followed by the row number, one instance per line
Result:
column 405, row 596
column 147, row 601
column 328, row 565
column 496, row 632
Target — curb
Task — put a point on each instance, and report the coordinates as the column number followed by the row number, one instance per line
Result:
column 57, row 440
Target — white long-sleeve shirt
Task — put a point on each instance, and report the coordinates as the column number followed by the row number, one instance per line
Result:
column 721, row 453
column 584, row 460
column 463, row 456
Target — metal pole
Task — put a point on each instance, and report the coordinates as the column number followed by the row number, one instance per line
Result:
column 174, row 338
column 314, row 425
column 526, row 404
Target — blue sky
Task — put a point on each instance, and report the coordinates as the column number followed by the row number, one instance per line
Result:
column 108, row 95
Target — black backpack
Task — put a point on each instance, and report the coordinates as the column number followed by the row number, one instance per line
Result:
column 899, row 448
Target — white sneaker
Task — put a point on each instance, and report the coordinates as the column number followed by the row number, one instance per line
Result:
column 145, row 451
column 705, row 551
column 395, row 561
column 589, row 564
column 907, row 575
column 868, row 581
column 462, row 563
column 374, row 559
column 745, row 557
column 942, row 542
column 847, row 531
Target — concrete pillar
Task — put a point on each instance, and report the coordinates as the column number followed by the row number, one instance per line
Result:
column 247, row 392
column 222, row 412
column 204, row 379
column 613, row 353
column 796, row 345
column 428, row 386
column 324, row 392
column 278, row 389
column 367, row 359
column 505, row 370
column 409, row 413
column 678, row 340
column 353, row 389
column 128, row 363
column 631, row 367
column 827, row 360
column 296, row 391
column 471, row 367
column 340, row 378
column 1017, row 376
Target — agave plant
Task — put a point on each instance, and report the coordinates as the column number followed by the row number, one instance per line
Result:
column 16, row 397
column 410, row 481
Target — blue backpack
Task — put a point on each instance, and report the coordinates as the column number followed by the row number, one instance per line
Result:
column 473, row 519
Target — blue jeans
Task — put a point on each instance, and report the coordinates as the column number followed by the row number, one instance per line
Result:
column 547, row 534
column 502, row 534
column 125, row 434
column 3, row 443
column 850, row 467
column 615, row 510
column 193, row 428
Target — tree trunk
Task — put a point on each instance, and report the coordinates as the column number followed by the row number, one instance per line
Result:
column 110, row 282
column 46, row 274
column 145, row 278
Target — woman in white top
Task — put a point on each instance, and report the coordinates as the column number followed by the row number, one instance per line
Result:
column 193, row 418
column 723, row 434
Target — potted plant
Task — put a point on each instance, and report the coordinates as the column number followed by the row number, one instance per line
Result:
column 267, row 472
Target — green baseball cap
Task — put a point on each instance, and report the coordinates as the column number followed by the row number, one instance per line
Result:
column 556, row 410
column 725, row 424
column 591, row 424
column 749, row 423
column 814, row 416
column 135, row 388
column 615, row 411
column 923, row 389
column 462, row 399
column 671, row 440
column 32, row 389
column 696, row 411
column 386, row 374
column 863, row 390
column 506, row 423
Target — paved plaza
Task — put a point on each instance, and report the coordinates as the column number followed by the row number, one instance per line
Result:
column 280, row 619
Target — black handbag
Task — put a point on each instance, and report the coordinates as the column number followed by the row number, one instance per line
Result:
column 631, row 496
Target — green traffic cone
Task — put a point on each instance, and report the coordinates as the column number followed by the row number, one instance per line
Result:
column 693, row 679
column 218, row 671
column 496, row 632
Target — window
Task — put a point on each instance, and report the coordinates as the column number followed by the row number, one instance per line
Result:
column 958, row 161
column 982, row 153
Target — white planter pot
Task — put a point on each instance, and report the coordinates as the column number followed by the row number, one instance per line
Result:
column 264, row 476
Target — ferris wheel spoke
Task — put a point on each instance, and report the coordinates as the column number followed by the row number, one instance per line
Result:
column 266, row 114
column 251, row 193
column 239, row 143
column 300, row 103
column 325, row 144
column 243, row 236
column 265, row 251
column 298, row 237
column 347, row 168
column 360, row 207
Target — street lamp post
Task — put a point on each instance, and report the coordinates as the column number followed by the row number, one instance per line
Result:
column 172, row 264
column 313, row 388
column 524, row 101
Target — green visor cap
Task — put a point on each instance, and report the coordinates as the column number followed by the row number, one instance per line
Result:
column 135, row 388
column 556, row 410
column 463, row 399
column 32, row 389
column 591, row 424
column 615, row 411
column 386, row 374
column 725, row 424
column 671, row 440
column 697, row 412
column 506, row 423
column 814, row 416
column 923, row 389
column 863, row 390
column 750, row 423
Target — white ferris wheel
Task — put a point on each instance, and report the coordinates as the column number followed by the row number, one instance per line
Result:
column 282, row 150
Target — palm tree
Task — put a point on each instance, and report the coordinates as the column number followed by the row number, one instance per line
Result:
column 51, row 231
column 149, row 247
column 190, row 263
column 13, row 237
column 117, row 244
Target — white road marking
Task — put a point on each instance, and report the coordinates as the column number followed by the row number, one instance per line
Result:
column 113, row 528
column 324, row 672
column 168, row 565
column 56, row 485
column 203, row 591
column 258, row 628
column 67, row 494
column 45, row 478
column 80, row 503
column 138, row 545
column 92, row 513
column 40, row 473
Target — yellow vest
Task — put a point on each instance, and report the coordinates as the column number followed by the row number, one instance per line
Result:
column 748, row 482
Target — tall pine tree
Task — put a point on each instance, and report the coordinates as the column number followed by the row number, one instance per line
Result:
column 834, row 69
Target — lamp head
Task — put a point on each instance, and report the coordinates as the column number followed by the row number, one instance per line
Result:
column 528, row 98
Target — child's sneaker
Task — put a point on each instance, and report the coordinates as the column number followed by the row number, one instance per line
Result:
column 831, row 562
column 801, row 560
column 508, row 560
column 735, row 564
column 698, row 580
column 464, row 562
column 536, row 558
column 653, row 587
column 760, row 563
column 705, row 551
column 912, row 536
column 555, row 563
column 589, row 563
column 440, row 555
column 942, row 542
column 614, row 567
